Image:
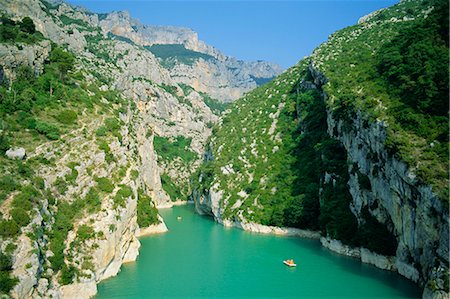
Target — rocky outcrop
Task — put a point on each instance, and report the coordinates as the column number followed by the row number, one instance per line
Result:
column 16, row 153
column 416, row 216
column 12, row 57
column 366, row 256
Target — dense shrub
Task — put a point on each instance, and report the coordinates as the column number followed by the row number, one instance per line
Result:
column 8, row 183
column 67, row 274
column 60, row 228
column 20, row 216
column 51, row 131
column 121, row 195
column 27, row 25
column 216, row 106
column 18, row 32
column 7, row 282
column 9, row 228
column 4, row 144
column 67, row 117
column 169, row 150
column 93, row 201
column 62, row 62
column 101, row 131
column 147, row 213
column 105, row 185
column 85, row 232
column 171, row 189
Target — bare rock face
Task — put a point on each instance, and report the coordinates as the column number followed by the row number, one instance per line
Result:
column 16, row 153
column 13, row 57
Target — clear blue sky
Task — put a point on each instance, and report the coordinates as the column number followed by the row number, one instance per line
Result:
column 278, row 31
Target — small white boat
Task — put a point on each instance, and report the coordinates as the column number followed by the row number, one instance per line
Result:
column 179, row 218
column 290, row 263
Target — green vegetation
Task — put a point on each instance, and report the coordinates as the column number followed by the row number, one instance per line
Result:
column 413, row 67
column 171, row 188
column 51, row 131
column 93, row 201
column 397, row 72
column 124, row 193
column 21, row 207
column 18, row 32
column 169, row 149
column 260, row 80
column 7, row 184
column 112, row 126
column 6, row 281
column 67, row 117
column 66, row 20
column 85, row 232
column 104, row 146
column 176, row 53
column 216, row 106
column 104, row 184
column 147, row 213
column 64, row 219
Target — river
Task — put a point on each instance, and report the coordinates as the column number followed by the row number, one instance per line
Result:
column 199, row 258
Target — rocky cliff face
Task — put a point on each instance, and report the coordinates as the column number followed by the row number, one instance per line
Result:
column 12, row 57
column 222, row 77
column 416, row 216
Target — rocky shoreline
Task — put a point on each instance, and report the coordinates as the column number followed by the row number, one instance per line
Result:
column 390, row 263
column 88, row 289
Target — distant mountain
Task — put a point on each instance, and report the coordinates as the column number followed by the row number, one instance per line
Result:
column 207, row 70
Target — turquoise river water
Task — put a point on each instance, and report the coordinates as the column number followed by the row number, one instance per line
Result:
column 199, row 258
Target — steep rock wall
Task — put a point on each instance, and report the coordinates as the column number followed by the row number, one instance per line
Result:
column 409, row 208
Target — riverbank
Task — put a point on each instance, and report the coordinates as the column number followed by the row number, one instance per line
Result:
column 364, row 255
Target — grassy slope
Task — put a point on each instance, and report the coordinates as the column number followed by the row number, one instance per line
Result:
column 276, row 181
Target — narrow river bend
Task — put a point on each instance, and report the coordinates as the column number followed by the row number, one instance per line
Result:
column 199, row 258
